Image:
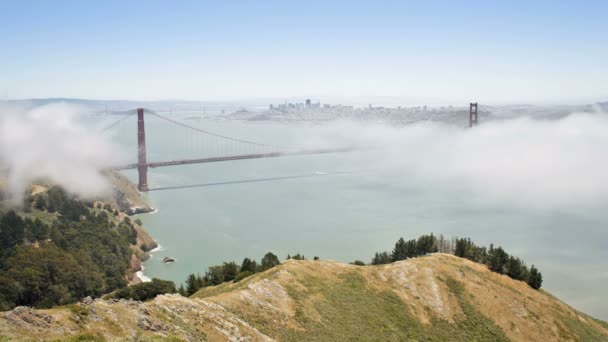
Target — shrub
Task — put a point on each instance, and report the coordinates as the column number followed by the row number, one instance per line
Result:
column 145, row 291
column 242, row 276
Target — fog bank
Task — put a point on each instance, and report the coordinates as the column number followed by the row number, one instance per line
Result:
column 546, row 164
column 51, row 142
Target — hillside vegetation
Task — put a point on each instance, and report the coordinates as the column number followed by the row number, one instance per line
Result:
column 437, row 297
column 56, row 249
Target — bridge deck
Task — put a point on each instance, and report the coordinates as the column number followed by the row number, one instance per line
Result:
column 235, row 157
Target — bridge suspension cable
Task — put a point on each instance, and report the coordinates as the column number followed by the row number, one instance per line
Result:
column 158, row 147
column 208, row 132
column 119, row 121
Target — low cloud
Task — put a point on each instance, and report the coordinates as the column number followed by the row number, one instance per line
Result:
column 547, row 164
column 50, row 142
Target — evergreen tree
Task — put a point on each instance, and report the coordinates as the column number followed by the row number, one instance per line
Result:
column 516, row 269
column 39, row 230
column 426, row 244
column 381, row 258
column 269, row 261
column 498, row 261
column 147, row 290
column 215, row 275
column 194, row 283
column 40, row 203
column 248, row 265
column 298, row 257
column 12, row 230
column 535, row 279
column 400, row 251
column 230, row 270
column 182, row 291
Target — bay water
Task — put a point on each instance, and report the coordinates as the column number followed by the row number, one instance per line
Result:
column 337, row 207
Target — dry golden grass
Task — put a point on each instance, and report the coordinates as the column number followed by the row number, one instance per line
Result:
column 434, row 298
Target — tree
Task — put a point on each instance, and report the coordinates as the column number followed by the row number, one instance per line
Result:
column 498, row 260
column 248, row 265
column 40, row 203
column 296, row 257
column 445, row 245
column 269, row 261
column 38, row 230
column 49, row 275
column 400, row 250
column 182, row 291
column 410, row 248
column 194, row 283
column 12, row 230
column 230, row 270
column 8, row 293
column 381, row 258
column 426, row 244
column 358, row 263
column 535, row 280
column 516, row 269
column 462, row 247
column 147, row 290
column 215, row 275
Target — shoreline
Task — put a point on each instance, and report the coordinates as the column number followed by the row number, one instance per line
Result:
column 143, row 278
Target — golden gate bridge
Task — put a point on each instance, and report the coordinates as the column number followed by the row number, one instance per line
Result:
column 203, row 146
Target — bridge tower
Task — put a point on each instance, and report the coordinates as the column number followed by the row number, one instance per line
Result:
column 142, row 165
column 473, row 118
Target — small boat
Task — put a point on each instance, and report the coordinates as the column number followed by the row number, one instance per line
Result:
column 168, row 260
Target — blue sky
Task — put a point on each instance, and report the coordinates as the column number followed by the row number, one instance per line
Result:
column 490, row 51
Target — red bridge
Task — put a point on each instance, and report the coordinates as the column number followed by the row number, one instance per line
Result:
column 204, row 146
column 227, row 150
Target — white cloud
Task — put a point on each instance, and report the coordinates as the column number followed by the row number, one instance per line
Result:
column 549, row 164
column 48, row 142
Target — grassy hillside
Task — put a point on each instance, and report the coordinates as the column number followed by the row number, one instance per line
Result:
column 434, row 298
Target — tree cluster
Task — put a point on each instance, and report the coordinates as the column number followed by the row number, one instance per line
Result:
column 407, row 249
column 145, row 291
column 80, row 253
column 229, row 271
column 497, row 259
column 296, row 257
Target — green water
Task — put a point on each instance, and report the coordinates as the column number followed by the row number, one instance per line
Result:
column 352, row 214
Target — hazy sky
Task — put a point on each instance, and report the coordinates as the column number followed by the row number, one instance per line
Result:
column 489, row 51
